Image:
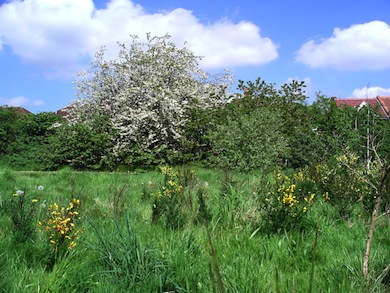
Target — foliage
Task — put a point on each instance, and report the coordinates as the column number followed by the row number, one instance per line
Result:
column 347, row 128
column 249, row 142
column 262, row 94
column 169, row 201
column 286, row 204
column 195, row 143
column 8, row 129
column 341, row 187
column 174, row 201
column 82, row 145
column 376, row 175
column 23, row 211
column 284, row 111
column 147, row 92
column 321, row 131
column 25, row 138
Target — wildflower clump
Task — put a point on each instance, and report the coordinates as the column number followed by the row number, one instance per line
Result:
column 286, row 202
column 168, row 200
column 179, row 199
column 60, row 226
column 23, row 210
column 342, row 185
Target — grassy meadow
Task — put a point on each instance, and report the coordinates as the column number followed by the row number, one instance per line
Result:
column 121, row 236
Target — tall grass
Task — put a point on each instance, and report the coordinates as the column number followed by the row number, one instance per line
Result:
column 120, row 250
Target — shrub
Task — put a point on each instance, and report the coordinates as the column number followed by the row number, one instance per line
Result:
column 286, row 203
column 174, row 203
column 342, row 187
column 169, row 199
column 249, row 142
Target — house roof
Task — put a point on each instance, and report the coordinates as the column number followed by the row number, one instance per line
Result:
column 385, row 102
column 65, row 112
column 19, row 110
column 62, row 112
column 381, row 103
column 355, row 103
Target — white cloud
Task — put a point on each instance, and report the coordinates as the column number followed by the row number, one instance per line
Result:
column 46, row 32
column 38, row 103
column 21, row 101
column 359, row 47
column 371, row 92
column 61, row 34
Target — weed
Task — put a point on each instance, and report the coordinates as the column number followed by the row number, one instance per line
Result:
column 23, row 210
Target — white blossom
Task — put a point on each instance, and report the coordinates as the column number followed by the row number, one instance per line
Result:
column 147, row 91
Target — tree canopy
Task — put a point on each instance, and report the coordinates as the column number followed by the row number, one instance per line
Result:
column 147, row 92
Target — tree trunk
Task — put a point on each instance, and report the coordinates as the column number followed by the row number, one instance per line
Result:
column 370, row 234
column 385, row 173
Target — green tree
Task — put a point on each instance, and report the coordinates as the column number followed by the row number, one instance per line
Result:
column 83, row 145
column 324, row 132
column 288, row 103
column 8, row 129
column 250, row 141
column 25, row 138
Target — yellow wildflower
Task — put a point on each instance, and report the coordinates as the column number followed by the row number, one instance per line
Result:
column 292, row 187
column 326, row 197
column 171, row 183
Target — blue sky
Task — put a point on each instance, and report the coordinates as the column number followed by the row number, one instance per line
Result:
column 341, row 48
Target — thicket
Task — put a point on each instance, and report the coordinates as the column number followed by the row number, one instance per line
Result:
column 25, row 138
column 248, row 133
column 153, row 105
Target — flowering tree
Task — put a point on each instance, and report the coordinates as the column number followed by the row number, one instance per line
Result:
column 147, row 92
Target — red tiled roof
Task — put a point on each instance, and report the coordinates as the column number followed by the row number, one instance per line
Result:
column 385, row 102
column 356, row 102
column 375, row 103
column 19, row 110
column 65, row 111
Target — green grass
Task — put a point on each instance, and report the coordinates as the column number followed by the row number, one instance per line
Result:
column 121, row 251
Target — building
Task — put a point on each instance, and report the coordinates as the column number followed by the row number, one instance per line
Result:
column 18, row 110
column 381, row 103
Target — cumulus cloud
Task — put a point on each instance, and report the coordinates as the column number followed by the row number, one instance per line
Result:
column 21, row 101
column 46, row 32
column 371, row 92
column 359, row 47
column 62, row 34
